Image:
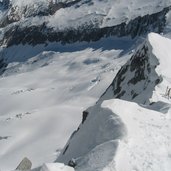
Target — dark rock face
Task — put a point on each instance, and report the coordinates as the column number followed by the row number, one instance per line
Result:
column 137, row 78
column 5, row 4
column 72, row 163
column 3, row 66
column 40, row 34
column 85, row 114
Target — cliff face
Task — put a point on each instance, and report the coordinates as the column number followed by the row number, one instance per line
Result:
column 136, row 79
column 3, row 66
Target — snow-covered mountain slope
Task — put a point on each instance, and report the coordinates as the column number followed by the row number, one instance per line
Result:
column 111, row 12
column 116, row 132
column 80, row 20
column 56, row 60
column 42, row 99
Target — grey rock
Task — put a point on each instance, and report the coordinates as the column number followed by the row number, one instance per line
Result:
column 24, row 165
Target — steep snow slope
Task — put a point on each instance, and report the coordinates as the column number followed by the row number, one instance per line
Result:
column 137, row 130
column 79, row 20
column 42, row 100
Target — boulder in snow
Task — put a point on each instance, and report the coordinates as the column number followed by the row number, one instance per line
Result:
column 24, row 165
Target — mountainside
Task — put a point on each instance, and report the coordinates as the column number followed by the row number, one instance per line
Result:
column 148, row 75
column 94, row 62
column 42, row 99
column 138, row 77
column 79, row 20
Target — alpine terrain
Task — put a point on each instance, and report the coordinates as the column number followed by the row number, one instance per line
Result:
column 85, row 85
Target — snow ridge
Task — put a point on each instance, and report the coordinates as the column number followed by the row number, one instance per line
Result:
column 144, row 126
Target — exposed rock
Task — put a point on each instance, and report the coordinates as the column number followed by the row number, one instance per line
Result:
column 24, row 165
column 3, row 66
column 72, row 163
column 136, row 79
column 85, row 114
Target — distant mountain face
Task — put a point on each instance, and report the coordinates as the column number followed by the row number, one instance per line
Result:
column 17, row 10
column 35, row 22
column 13, row 11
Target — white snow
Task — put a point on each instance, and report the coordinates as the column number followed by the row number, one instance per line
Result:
column 42, row 99
column 147, row 145
column 56, row 167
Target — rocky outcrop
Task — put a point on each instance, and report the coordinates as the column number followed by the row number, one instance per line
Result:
column 14, row 13
column 24, row 165
column 137, row 79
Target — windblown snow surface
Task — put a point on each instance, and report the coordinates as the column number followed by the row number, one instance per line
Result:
column 123, row 135
column 42, row 98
